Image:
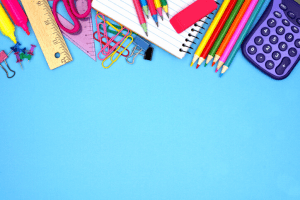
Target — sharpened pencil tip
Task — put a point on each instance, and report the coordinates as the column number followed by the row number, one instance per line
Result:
column 146, row 33
column 213, row 64
column 157, row 24
column 216, row 70
column 205, row 65
column 168, row 15
column 221, row 75
column 162, row 18
column 197, row 66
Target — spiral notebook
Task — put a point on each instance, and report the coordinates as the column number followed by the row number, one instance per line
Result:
column 123, row 12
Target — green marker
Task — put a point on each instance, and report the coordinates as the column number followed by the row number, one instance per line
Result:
column 242, row 36
column 224, row 31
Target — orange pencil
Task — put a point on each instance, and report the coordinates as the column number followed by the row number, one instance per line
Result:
column 216, row 32
column 231, row 31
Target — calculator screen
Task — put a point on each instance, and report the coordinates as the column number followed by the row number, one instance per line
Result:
column 298, row 1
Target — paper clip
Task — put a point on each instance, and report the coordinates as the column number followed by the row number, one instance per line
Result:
column 106, row 50
column 113, row 54
column 104, row 43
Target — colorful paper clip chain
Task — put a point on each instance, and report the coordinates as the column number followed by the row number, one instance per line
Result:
column 108, row 50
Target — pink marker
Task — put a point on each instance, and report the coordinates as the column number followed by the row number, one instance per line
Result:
column 237, row 33
column 17, row 14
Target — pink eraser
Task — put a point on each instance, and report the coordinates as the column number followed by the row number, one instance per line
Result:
column 3, row 56
column 192, row 14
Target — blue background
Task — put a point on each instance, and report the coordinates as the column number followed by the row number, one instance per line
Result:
column 152, row 130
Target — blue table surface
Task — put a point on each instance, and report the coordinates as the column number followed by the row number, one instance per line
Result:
column 152, row 130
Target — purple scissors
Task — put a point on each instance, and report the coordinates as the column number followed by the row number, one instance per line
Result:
column 72, row 11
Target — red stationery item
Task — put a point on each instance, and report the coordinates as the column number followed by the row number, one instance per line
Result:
column 192, row 14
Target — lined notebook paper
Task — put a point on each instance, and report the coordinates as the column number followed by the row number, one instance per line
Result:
column 123, row 12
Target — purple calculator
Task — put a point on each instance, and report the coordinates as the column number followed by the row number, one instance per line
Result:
column 273, row 45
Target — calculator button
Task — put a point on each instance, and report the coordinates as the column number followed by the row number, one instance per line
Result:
column 283, row 6
column 274, row 39
column 286, row 22
column 280, row 30
column 297, row 43
column 270, row 64
column 276, row 55
column 282, row 46
column 283, row 65
column 265, row 31
column 259, row 40
column 291, row 15
column 260, row 58
column 292, row 52
column 252, row 50
column 267, row 48
column 289, row 37
column 277, row 14
column 295, row 29
column 298, row 21
column 271, row 22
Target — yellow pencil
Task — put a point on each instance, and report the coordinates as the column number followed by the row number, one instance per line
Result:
column 210, row 30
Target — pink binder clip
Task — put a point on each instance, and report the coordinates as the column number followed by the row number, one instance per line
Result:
column 3, row 58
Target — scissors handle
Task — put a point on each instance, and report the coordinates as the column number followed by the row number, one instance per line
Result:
column 75, row 12
column 73, row 17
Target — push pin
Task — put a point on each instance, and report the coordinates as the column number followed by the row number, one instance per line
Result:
column 16, row 47
column 19, row 59
column 23, row 56
column 3, row 58
column 31, row 50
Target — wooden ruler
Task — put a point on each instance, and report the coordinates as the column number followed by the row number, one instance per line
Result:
column 47, row 32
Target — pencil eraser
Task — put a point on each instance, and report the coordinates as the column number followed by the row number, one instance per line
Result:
column 192, row 14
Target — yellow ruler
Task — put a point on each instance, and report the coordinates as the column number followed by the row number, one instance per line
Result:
column 47, row 32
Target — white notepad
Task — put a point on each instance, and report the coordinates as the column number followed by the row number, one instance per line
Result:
column 164, row 36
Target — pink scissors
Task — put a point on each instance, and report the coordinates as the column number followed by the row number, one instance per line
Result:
column 72, row 11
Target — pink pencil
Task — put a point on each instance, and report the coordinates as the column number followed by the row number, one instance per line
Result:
column 153, row 10
column 140, row 14
column 237, row 33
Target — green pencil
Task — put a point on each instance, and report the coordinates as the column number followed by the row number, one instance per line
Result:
column 164, row 4
column 224, row 31
column 242, row 36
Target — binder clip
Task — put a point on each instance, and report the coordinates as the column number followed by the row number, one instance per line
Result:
column 140, row 46
column 3, row 58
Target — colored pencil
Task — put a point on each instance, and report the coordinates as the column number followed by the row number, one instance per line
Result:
column 232, row 29
column 245, row 32
column 164, row 4
column 157, row 4
column 237, row 33
column 140, row 14
column 216, row 32
column 153, row 11
column 224, row 31
column 210, row 30
column 145, row 7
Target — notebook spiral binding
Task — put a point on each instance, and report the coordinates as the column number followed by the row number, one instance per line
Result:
column 195, row 36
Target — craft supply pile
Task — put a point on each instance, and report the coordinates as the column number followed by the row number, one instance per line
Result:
column 267, row 32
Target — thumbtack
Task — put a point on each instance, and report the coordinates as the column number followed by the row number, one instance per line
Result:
column 31, row 50
column 23, row 56
column 19, row 59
